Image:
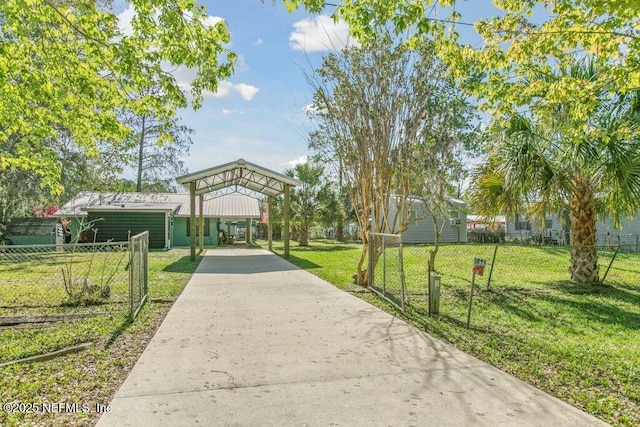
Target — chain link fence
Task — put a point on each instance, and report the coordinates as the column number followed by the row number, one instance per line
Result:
column 71, row 280
column 402, row 274
column 453, row 264
column 387, row 278
column 626, row 242
column 138, row 272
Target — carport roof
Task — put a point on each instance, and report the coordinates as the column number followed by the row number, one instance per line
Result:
column 239, row 174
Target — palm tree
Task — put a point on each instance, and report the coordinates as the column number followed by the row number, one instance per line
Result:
column 589, row 167
column 306, row 199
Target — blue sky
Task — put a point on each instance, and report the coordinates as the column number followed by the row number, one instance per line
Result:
column 262, row 121
column 258, row 113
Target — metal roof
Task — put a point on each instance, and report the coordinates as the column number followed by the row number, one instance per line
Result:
column 229, row 206
column 31, row 226
column 134, row 207
column 90, row 200
column 238, row 174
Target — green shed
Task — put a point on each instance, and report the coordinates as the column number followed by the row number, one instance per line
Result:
column 33, row 231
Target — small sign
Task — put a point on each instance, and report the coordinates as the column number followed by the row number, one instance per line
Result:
column 478, row 266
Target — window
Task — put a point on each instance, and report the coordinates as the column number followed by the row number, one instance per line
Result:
column 522, row 223
column 549, row 224
column 207, row 229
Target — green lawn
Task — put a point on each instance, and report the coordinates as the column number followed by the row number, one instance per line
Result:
column 45, row 283
column 580, row 343
column 92, row 376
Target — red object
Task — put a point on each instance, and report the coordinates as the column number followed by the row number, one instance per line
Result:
column 478, row 269
column 45, row 211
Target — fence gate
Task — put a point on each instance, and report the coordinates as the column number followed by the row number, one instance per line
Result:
column 138, row 272
column 386, row 271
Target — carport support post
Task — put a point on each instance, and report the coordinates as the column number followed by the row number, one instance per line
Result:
column 247, row 230
column 192, row 225
column 201, row 222
column 269, row 227
column 286, row 221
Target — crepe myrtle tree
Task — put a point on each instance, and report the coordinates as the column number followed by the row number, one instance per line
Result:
column 370, row 112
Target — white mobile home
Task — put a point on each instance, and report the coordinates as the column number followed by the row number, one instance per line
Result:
column 522, row 228
column 627, row 234
column 421, row 227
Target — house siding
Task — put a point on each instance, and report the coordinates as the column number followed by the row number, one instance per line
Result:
column 422, row 229
column 118, row 226
column 627, row 234
column 164, row 215
column 180, row 238
column 606, row 233
column 75, row 224
column 554, row 232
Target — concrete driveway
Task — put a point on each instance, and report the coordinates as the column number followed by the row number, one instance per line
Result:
column 254, row 340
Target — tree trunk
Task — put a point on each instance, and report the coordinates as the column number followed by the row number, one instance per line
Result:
column 436, row 243
column 340, row 225
column 141, row 155
column 362, row 275
column 584, row 254
column 303, row 234
column 339, row 230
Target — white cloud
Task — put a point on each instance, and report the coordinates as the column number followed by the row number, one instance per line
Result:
column 320, row 34
column 227, row 111
column 259, row 42
column 297, row 161
column 124, row 20
column 185, row 75
column 226, row 88
column 246, row 91
column 210, row 21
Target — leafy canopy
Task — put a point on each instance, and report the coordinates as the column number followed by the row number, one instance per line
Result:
column 527, row 38
column 66, row 66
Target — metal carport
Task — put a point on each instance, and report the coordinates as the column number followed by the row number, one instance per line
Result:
column 218, row 180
